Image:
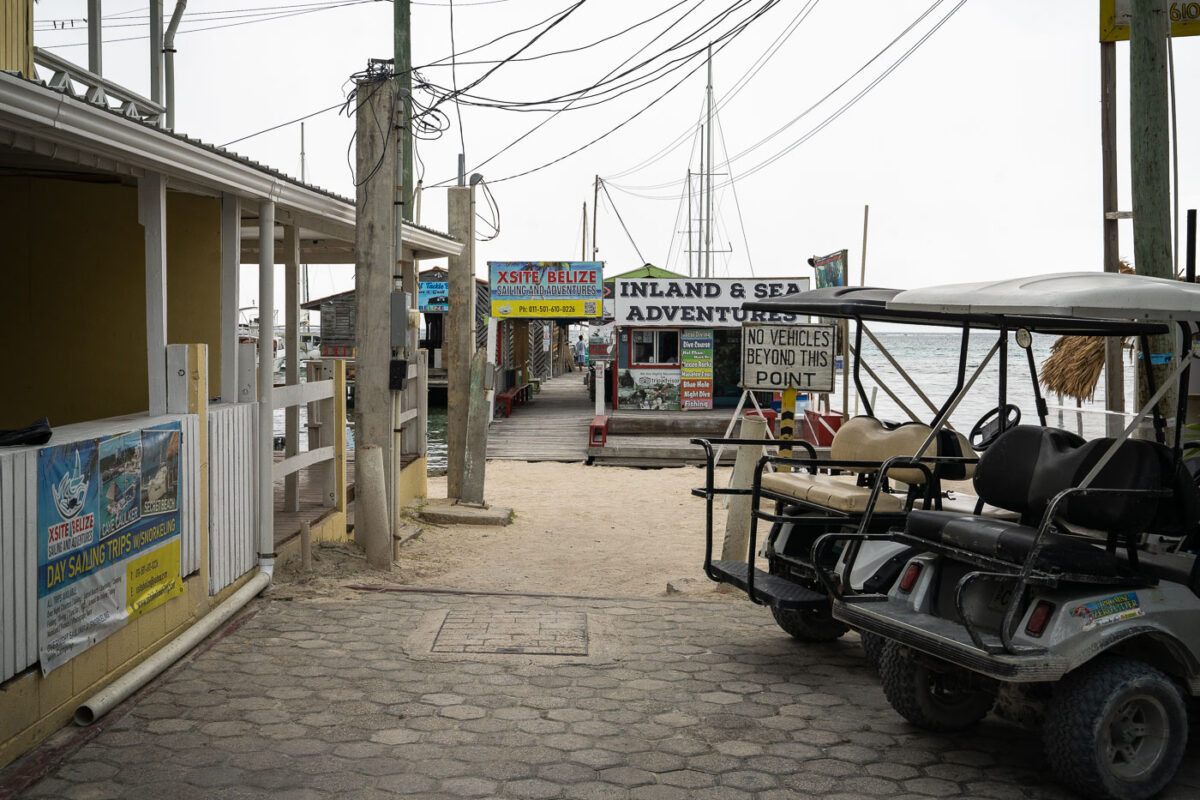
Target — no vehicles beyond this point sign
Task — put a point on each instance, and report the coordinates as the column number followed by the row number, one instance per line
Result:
column 778, row 357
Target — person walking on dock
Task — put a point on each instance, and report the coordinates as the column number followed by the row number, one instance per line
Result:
column 580, row 351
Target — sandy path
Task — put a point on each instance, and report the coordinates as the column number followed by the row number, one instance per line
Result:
column 578, row 530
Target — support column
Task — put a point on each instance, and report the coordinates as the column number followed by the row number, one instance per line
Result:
column 1150, row 158
column 1114, row 368
column 375, row 264
column 459, row 336
column 152, row 214
column 266, row 383
column 291, row 345
column 231, row 257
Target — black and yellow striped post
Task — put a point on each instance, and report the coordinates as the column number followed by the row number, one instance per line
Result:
column 787, row 426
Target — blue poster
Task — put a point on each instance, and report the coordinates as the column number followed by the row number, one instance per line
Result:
column 433, row 296
column 108, row 536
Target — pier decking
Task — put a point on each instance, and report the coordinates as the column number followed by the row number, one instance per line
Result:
column 554, row 427
column 312, row 507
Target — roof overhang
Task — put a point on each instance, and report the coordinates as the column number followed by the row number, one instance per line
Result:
column 43, row 122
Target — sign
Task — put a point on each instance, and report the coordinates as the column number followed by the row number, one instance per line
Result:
column 778, row 357
column 108, row 536
column 649, row 389
column 714, row 303
column 696, row 368
column 433, row 296
column 542, row 289
column 1115, row 18
column 831, row 269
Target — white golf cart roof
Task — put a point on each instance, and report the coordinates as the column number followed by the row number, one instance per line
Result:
column 1098, row 295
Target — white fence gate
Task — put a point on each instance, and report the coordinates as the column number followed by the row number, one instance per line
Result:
column 232, row 492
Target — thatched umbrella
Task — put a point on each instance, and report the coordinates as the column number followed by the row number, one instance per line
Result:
column 1073, row 367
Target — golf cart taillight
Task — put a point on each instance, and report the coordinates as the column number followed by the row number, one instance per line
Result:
column 911, row 573
column 1038, row 619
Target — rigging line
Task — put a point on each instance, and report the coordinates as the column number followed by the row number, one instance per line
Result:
column 740, row 84
column 217, row 27
column 805, row 137
column 525, row 135
column 736, row 201
column 854, row 100
column 283, row 124
column 679, row 212
column 674, row 227
column 454, row 78
column 629, row 119
column 609, row 78
column 636, row 249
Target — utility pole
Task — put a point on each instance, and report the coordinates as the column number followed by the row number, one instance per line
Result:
column 1150, row 158
column 709, row 208
column 1114, row 367
column 459, row 339
column 403, row 70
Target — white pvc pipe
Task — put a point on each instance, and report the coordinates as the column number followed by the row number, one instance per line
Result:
column 110, row 696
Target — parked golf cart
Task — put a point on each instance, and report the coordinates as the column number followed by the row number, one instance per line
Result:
column 892, row 479
column 1082, row 615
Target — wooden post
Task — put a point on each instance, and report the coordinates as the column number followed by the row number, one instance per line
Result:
column 152, row 214
column 787, row 425
column 231, row 257
column 291, row 255
column 375, row 263
column 197, row 403
column 477, row 429
column 1114, row 369
column 1150, row 159
column 460, row 339
column 736, row 545
column 305, row 547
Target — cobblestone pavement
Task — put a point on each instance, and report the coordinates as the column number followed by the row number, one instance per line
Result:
column 673, row 699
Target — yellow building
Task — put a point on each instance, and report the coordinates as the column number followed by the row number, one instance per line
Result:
column 152, row 501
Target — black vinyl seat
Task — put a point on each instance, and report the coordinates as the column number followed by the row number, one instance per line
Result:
column 1028, row 466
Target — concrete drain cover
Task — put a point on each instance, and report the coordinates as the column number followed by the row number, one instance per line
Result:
column 551, row 633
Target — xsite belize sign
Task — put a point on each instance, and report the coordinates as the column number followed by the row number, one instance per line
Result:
column 546, row 289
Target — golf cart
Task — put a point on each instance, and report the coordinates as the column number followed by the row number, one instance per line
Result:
column 1082, row 615
column 891, row 477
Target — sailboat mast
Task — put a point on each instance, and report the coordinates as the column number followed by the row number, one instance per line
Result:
column 709, row 207
column 690, row 244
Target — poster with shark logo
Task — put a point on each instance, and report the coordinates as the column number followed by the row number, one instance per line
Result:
column 108, row 536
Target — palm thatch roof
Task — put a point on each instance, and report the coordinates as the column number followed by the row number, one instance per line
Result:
column 1074, row 366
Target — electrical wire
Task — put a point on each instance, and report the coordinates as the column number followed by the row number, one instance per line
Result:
column 454, row 77
column 284, row 124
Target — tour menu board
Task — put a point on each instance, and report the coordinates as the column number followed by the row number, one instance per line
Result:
column 696, row 369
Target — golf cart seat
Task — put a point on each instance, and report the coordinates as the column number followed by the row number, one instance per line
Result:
column 1028, row 466
column 868, row 439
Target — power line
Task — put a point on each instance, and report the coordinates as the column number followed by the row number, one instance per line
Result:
column 454, row 78
column 284, row 124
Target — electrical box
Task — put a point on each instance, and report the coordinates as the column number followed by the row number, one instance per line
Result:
column 397, row 374
column 400, row 305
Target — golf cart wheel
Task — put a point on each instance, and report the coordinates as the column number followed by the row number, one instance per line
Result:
column 809, row 626
column 1116, row 728
column 931, row 698
column 872, row 645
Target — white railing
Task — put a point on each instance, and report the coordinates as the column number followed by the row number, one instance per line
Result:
column 232, row 492
column 302, row 394
column 18, row 561
column 96, row 89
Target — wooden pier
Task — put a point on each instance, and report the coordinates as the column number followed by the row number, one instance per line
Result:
column 554, row 427
column 312, row 507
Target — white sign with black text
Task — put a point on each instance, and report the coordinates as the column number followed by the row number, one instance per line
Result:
column 699, row 303
column 778, row 357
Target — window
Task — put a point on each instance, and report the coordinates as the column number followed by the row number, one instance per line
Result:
column 655, row 347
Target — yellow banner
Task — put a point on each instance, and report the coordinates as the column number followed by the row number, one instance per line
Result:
column 545, row 308
column 153, row 578
column 1115, row 15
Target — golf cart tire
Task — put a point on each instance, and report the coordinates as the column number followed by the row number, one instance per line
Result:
column 1086, row 706
column 809, row 626
column 872, row 645
column 907, row 682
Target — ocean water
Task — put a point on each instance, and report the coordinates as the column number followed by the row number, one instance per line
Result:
column 931, row 360
column 436, row 444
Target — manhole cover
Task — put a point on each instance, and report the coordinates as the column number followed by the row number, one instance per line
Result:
column 551, row 633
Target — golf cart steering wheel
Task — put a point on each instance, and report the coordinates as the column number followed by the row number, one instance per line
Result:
column 988, row 427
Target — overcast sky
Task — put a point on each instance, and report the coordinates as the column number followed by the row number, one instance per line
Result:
column 979, row 155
